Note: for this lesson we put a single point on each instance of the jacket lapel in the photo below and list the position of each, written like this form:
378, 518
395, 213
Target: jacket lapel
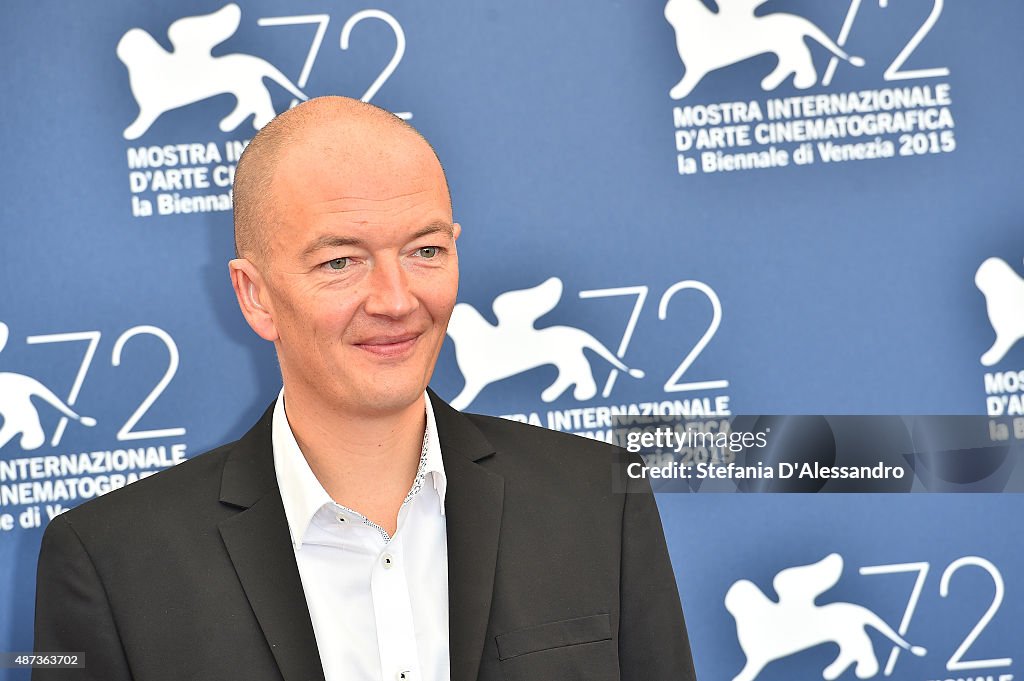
473, 506
260, 548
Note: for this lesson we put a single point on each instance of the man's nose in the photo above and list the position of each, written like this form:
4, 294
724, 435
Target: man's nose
389, 294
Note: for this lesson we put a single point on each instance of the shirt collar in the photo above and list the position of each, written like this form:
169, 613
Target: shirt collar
302, 494
434, 462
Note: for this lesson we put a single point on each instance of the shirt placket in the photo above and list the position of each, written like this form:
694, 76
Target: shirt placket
389, 588
396, 635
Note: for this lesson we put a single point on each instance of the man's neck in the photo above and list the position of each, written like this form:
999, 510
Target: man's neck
364, 462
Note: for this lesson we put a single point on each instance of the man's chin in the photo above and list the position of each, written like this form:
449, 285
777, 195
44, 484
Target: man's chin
375, 401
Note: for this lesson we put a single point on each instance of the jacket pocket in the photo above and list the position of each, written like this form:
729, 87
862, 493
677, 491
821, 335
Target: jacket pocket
579, 649
554, 635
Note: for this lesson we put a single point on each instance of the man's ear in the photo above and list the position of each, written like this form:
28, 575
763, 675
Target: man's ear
251, 293
456, 230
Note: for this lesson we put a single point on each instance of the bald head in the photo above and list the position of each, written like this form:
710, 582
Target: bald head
326, 132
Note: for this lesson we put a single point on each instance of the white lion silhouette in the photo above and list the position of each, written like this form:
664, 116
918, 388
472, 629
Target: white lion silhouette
1004, 299
162, 80
769, 631
487, 353
708, 40
20, 416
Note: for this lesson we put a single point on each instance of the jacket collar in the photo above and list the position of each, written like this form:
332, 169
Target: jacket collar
260, 549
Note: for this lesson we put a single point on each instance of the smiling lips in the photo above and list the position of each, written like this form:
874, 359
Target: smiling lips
389, 346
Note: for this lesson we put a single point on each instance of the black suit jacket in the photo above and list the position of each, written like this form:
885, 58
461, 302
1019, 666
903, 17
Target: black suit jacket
190, 574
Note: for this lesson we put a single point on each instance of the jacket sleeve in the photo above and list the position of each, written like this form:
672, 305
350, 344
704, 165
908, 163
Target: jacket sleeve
72, 610
653, 644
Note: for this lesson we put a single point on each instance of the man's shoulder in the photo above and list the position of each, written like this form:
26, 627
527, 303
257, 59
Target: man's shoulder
525, 439
189, 488
531, 454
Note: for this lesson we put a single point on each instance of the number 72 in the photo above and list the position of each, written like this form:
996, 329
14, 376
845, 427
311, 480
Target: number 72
955, 661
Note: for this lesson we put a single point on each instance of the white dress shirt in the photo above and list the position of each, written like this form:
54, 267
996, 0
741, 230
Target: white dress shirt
379, 604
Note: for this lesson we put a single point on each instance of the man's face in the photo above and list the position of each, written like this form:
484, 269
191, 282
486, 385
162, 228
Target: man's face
361, 274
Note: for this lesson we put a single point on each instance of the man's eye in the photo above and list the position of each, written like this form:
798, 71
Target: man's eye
428, 251
338, 263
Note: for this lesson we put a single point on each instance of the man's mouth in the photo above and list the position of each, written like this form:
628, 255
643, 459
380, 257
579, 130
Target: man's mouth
389, 345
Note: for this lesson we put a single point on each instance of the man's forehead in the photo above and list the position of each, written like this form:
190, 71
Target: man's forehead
361, 139
338, 197
349, 175
323, 149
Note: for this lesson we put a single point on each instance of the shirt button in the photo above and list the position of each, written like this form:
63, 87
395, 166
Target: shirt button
387, 560
341, 518
404, 676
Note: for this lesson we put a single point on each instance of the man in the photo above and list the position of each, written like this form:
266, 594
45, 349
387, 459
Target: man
362, 529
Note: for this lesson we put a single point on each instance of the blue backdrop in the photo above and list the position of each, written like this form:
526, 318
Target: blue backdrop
823, 216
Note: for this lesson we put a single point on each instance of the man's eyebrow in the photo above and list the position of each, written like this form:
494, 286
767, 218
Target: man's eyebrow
331, 241
335, 241
433, 228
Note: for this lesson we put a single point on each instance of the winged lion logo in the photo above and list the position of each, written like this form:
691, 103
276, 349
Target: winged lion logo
1004, 301
771, 630
709, 40
487, 353
162, 80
